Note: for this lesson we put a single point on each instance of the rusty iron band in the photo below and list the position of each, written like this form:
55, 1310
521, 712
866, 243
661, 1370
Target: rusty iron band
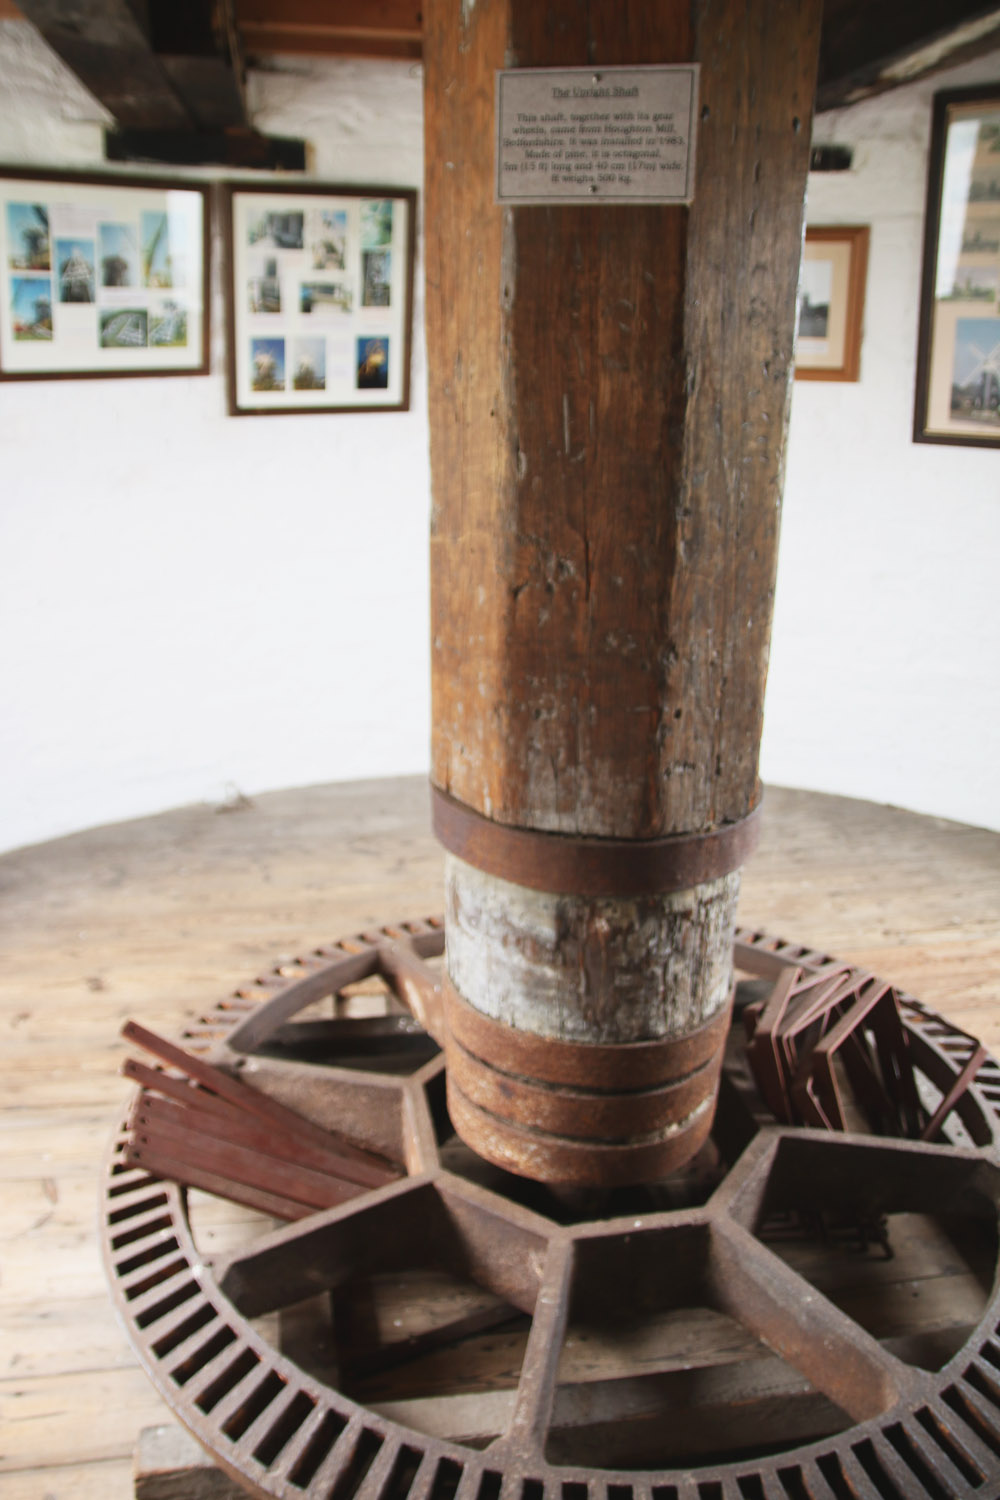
547, 1157
612, 1067
571, 865
581, 1114
589, 1113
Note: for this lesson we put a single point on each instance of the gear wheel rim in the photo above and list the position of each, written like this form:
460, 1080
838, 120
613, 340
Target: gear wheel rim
291, 1434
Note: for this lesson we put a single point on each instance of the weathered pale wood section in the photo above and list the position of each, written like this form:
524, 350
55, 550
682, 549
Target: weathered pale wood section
159, 918
607, 397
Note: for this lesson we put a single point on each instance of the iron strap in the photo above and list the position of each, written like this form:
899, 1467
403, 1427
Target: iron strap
605, 1067
570, 865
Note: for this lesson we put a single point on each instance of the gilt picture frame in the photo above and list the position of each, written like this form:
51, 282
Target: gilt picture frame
830, 320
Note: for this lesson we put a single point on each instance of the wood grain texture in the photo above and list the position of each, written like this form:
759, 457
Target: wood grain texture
341, 28
608, 397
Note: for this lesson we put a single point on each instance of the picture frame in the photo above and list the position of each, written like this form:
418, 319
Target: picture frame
830, 318
958, 344
319, 289
102, 276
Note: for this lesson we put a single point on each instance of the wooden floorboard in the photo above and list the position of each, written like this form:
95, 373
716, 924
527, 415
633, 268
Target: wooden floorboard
159, 918
91, 1481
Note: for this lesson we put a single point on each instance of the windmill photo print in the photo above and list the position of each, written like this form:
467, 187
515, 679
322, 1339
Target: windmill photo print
31, 307
119, 255
28, 236
75, 260
975, 386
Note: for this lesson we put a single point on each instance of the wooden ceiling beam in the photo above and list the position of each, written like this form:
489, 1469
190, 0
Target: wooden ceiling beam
177, 64
198, 43
868, 48
262, 41
164, 65
102, 42
356, 28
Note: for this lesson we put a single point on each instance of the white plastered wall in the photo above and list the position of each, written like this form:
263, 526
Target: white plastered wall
885, 657
190, 603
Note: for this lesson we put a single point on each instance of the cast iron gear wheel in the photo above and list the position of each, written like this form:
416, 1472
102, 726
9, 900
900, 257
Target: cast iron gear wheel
471, 1335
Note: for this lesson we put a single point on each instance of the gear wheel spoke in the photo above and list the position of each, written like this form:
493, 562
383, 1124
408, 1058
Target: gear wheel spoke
757, 1288
316, 1254
536, 1388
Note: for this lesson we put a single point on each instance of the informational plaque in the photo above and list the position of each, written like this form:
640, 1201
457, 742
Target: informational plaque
596, 135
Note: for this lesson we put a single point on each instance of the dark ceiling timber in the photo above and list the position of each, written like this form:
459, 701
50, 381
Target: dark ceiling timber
871, 46
177, 65
153, 64
370, 28
198, 44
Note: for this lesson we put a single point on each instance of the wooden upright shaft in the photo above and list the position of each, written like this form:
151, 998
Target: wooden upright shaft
607, 393
608, 396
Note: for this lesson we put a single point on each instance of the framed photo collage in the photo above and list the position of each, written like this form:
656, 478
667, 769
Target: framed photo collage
101, 277
109, 276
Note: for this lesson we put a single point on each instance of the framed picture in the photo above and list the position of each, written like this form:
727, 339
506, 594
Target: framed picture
831, 303
958, 351
320, 293
101, 276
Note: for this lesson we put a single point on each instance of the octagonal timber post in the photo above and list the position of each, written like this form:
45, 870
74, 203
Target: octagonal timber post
608, 402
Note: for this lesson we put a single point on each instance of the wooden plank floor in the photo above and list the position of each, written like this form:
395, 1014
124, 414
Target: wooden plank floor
158, 918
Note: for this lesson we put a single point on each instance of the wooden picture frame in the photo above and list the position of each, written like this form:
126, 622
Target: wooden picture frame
102, 276
831, 302
958, 347
319, 288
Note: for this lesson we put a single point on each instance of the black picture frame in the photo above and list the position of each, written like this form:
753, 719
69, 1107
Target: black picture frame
958, 346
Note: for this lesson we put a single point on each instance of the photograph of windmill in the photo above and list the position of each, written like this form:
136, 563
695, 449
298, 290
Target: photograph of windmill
157, 262
28, 237
75, 259
31, 307
975, 387
118, 254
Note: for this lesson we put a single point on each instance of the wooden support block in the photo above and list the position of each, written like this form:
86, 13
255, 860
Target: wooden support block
170, 1465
